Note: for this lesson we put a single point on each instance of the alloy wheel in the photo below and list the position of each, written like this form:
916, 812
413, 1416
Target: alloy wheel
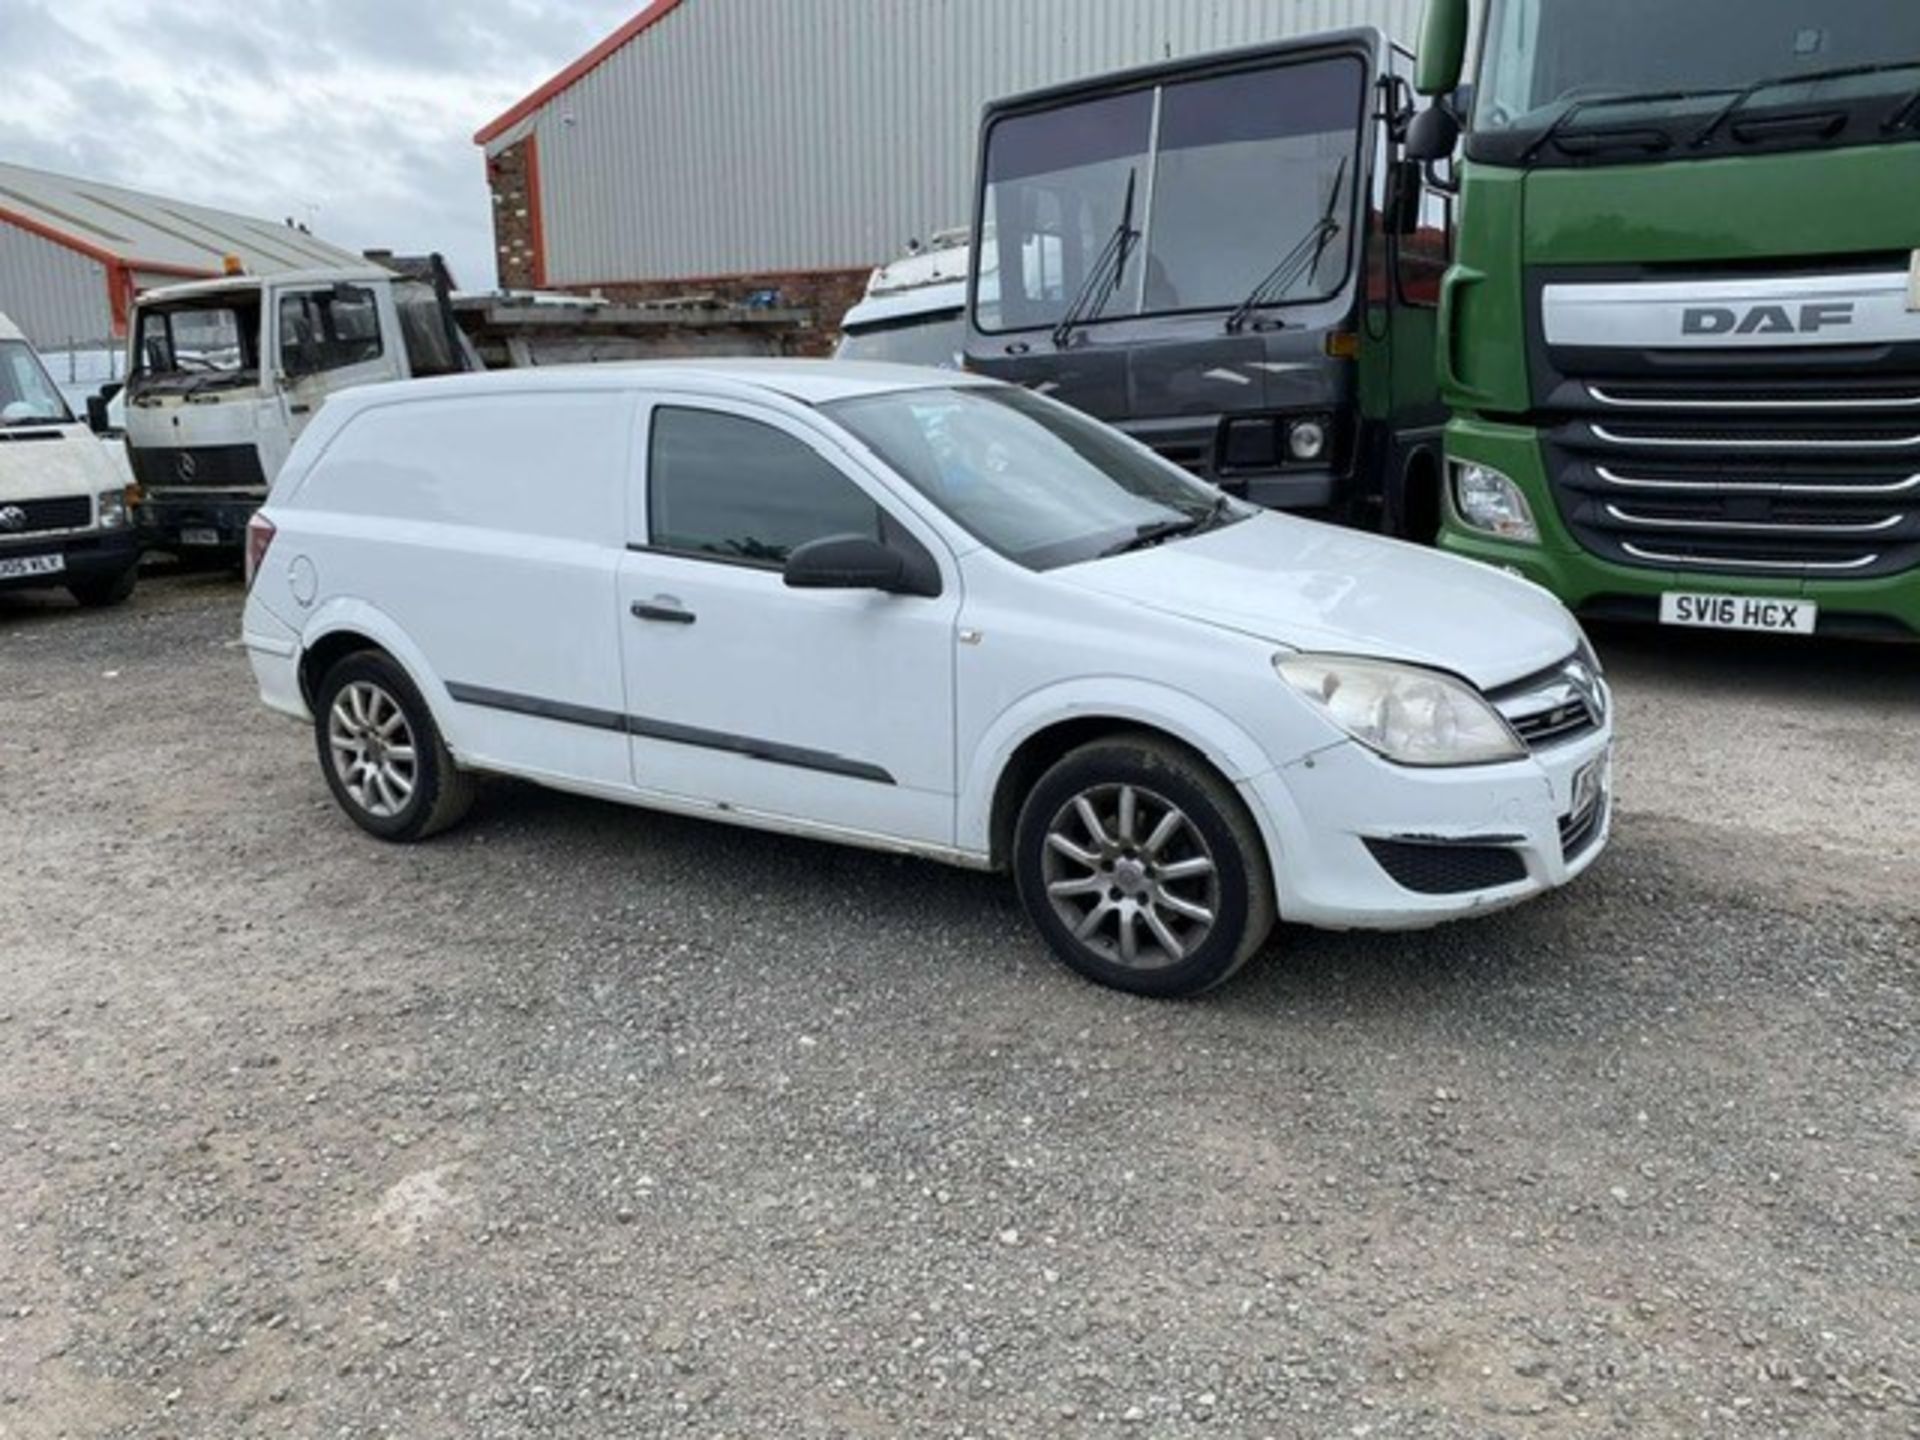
372, 746
1131, 876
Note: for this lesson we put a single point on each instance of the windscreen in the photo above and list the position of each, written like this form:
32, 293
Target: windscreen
1039, 483
1208, 185
27, 396
197, 346
1541, 54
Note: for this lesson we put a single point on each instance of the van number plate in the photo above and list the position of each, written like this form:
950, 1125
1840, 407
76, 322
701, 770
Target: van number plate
15, 567
199, 537
1739, 612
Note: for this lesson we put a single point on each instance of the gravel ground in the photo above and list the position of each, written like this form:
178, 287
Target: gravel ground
586, 1122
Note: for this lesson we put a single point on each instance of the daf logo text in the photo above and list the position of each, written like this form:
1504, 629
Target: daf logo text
1808, 319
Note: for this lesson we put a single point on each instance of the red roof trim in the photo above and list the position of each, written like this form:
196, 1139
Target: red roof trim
651, 15
96, 252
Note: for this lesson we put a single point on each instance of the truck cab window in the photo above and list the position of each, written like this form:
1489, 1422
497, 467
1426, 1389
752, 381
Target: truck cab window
724, 486
197, 346
1247, 163
328, 329
1057, 190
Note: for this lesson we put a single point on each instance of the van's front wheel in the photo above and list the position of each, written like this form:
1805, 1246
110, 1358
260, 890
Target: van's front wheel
382, 754
1142, 868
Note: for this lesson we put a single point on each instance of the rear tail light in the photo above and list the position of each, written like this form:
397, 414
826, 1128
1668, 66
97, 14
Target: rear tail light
259, 537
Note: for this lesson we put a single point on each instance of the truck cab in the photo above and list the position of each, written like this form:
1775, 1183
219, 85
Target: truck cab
65, 519
1681, 342
223, 375
1229, 258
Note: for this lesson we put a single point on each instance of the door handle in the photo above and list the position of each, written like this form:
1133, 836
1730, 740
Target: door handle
672, 614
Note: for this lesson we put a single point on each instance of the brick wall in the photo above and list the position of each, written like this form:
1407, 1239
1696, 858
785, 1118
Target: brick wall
513, 217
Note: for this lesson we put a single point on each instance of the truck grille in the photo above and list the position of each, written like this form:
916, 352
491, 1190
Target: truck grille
208, 467
39, 517
1790, 478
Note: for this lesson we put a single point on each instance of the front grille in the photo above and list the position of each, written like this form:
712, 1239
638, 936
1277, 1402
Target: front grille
1767, 476
1439, 868
1560, 703
37, 517
1578, 832
210, 467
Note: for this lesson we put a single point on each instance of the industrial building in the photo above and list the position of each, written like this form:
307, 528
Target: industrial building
73, 253
738, 146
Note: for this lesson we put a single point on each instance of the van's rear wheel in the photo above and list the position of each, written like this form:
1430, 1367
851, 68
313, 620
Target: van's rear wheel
1142, 868
382, 754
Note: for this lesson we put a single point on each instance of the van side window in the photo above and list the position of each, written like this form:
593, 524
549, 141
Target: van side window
735, 489
328, 329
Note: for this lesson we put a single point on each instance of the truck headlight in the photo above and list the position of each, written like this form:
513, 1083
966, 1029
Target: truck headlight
1307, 439
1484, 499
113, 509
1411, 715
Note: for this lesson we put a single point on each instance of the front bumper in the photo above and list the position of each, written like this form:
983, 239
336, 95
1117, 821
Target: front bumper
1320, 812
87, 555
1887, 607
166, 519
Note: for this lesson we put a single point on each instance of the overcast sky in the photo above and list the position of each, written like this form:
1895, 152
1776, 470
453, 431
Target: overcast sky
355, 117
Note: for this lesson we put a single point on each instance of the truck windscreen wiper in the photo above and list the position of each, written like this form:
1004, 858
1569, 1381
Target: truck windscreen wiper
1104, 276
1298, 263
1720, 117
1565, 118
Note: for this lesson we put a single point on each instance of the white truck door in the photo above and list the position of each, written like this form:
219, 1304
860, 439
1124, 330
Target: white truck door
328, 338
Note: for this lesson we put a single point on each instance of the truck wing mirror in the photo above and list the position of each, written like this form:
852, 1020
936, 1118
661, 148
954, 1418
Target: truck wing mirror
97, 413
1433, 134
1443, 47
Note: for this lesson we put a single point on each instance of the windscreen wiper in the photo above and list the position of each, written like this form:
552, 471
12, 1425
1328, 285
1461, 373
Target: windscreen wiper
1298, 263
1104, 276
1720, 117
1153, 532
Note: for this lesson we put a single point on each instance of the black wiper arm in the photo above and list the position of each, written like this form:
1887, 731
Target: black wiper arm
1720, 117
1104, 276
1300, 261
1153, 532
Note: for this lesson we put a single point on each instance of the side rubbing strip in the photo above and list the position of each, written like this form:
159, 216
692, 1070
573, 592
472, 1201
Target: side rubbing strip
769, 750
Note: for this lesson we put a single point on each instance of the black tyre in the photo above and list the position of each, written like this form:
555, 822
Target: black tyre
1142, 868
381, 752
97, 591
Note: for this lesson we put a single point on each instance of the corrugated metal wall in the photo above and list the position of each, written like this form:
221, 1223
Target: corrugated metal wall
58, 297
743, 135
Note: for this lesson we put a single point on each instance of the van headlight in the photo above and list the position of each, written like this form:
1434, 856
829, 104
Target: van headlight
1411, 715
1484, 499
113, 509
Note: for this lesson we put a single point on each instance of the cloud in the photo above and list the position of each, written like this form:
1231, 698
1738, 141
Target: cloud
353, 116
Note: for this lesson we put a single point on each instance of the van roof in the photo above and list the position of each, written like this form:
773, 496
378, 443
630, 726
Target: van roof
812, 382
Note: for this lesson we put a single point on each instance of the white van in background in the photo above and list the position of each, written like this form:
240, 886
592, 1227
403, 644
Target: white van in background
65, 517
914, 311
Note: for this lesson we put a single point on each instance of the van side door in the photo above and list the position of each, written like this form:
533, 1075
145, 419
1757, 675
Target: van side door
826, 708
331, 337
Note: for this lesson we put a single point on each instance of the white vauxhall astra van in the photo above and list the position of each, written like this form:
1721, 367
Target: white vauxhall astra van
928, 613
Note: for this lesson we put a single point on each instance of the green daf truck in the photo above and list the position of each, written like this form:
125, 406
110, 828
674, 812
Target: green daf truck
1680, 339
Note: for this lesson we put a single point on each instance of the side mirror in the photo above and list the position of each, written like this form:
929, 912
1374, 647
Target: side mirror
97, 414
846, 562
1443, 47
1432, 136
1402, 215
